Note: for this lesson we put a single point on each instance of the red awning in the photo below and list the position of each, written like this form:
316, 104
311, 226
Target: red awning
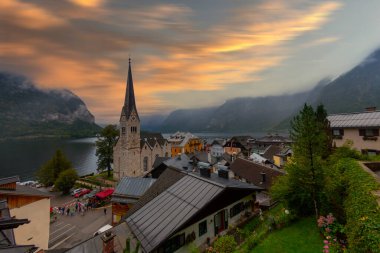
104, 194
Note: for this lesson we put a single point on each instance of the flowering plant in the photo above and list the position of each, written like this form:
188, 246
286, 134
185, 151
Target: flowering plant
331, 229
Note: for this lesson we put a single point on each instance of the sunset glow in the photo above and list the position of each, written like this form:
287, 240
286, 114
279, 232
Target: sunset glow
184, 54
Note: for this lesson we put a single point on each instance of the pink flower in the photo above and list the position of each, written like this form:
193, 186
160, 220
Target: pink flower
330, 219
326, 246
328, 230
321, 221
326, 251
325, 242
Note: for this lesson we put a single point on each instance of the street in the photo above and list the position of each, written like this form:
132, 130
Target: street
67, 231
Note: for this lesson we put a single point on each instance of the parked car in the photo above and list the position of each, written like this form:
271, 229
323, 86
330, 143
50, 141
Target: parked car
102, 229
82, 192
75, 191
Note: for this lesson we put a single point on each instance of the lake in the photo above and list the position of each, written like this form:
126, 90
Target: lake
24, 157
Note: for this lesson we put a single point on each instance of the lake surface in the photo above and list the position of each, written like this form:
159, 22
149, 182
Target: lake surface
25, 157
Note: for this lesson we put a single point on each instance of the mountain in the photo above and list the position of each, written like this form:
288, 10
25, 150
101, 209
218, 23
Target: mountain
236, 115
355, 90
27, 111
351, 92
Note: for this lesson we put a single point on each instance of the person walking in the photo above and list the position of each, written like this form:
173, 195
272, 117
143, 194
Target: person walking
105, 211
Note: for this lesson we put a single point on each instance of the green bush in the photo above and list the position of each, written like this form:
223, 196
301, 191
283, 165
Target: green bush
225, 244
66, 180
362, 210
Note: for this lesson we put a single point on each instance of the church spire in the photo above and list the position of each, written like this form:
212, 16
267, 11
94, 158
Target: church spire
129, 102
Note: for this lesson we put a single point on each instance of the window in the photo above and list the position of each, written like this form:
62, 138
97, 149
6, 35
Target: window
123, 130
236, 209
202, 228
133, 129
174, 243
166, 154
337, 132
369, 132
145, 165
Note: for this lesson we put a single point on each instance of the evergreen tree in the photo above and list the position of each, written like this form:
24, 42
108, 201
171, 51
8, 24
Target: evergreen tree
302, 187
104, 147
49, 172
66, 180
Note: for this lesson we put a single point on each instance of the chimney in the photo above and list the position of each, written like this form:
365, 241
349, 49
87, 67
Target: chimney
370, 109
108, 242
263, 177
223, 173
205, 172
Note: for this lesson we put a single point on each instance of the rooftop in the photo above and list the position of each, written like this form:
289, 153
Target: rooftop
252, 172
170, 210
132, 187
359, 119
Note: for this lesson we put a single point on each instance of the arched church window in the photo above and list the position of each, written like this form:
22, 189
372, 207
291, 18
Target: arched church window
145, 164
123, 130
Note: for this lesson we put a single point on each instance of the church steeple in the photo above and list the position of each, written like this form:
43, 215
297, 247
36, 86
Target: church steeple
129, 101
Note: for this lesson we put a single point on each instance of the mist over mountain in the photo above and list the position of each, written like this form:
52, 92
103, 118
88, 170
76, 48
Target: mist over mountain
355, 90
351, 92
27, 111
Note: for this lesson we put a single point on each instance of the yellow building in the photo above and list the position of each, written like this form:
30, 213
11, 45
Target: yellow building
184, 143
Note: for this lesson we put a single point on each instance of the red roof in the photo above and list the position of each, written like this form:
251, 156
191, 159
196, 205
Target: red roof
104, 194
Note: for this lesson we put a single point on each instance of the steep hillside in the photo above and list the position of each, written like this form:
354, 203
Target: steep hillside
356, 89
26, 111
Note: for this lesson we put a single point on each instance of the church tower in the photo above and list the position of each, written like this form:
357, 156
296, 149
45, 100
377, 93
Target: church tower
127, 149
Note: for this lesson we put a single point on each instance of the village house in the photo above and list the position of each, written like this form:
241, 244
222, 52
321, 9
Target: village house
361, 130
25, 202
128, 191
258, 174
272, 139
189, 207
238, 144
135, 151
184, 143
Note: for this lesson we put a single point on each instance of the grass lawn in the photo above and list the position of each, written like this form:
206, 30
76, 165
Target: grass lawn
302, 236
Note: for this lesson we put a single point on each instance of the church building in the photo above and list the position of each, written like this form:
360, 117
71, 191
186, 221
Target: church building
135, 151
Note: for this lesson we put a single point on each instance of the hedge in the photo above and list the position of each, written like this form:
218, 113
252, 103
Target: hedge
361, 208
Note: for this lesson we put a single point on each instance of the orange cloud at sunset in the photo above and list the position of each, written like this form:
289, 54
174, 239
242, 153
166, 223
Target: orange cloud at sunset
174, 48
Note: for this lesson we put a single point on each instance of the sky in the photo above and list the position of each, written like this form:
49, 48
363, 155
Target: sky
185, 54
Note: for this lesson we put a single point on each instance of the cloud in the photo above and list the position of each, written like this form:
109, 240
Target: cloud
88, 3
321, 41
175, 48
28, 15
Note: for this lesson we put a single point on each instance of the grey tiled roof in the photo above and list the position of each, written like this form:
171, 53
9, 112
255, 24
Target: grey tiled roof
25, 191
179, 162
364, 119
7, 180
155, 221
172, 208
133, 186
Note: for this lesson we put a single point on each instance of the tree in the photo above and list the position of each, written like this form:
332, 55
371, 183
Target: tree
104, 147
301, 188
49, 172
66, 180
